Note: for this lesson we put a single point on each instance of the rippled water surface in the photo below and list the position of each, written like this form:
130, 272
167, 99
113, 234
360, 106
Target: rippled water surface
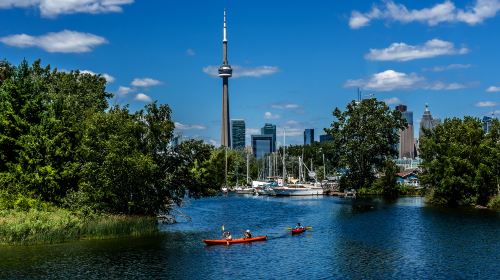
361, 239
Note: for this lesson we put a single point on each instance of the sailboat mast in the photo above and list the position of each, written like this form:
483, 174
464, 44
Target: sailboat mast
248, 167
284, 155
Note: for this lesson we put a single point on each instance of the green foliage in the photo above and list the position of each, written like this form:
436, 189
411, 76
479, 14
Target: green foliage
494, 202
61, 145
365, 136
461, 163
58, 225
387, 182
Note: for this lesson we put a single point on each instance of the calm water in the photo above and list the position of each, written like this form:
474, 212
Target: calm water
359, 239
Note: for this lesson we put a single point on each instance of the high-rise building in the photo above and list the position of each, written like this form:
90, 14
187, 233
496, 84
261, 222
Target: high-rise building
406, 145
427, 121
325, 138
308, 136
487, 122
270, 129
262, 145
225, 72
238, 134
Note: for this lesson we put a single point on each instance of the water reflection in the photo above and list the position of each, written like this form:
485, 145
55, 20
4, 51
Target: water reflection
350, 239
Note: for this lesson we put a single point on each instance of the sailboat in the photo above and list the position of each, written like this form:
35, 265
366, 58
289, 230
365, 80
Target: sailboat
245, 189
299, 188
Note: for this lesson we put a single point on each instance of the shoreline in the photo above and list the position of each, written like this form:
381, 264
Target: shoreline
38, 227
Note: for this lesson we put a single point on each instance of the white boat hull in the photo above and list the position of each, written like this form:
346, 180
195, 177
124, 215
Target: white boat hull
285, 191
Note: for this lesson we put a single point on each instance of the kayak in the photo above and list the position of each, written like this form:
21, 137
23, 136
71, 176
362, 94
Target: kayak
238, 240
298, 230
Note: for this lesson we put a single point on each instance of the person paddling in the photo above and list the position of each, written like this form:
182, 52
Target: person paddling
227, 235
248, 234
299, 226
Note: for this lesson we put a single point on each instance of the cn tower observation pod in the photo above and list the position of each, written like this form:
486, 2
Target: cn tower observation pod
225, 71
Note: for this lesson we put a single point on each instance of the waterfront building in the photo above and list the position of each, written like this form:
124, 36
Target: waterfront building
270, 129
238, 134
225, 72
406, 144
427, 121
405, 164
308, 136
262, 145
325, 138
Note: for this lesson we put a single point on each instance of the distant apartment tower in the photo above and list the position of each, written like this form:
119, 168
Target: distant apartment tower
406, 145
238, 134
427, 121
325, 138
308, 136
262, 145
487, 122
270, 129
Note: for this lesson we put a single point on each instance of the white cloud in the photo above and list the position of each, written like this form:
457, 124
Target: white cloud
181, 126
145, 82
439, 13
444, 86
285, 106
125, 90
448, 67
390, 80
271, 116
486, 104
143, 98
190, 52
387, 81
65, 41
106, 76
404, 52
493, 89
240, 71
53, 8
252, 131
392, 101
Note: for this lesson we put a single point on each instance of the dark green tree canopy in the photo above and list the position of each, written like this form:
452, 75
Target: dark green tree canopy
365, 135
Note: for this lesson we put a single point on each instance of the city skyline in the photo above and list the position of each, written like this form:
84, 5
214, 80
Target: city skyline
292, 65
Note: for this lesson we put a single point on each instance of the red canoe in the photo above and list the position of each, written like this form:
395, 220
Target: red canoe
239, 240
298, 230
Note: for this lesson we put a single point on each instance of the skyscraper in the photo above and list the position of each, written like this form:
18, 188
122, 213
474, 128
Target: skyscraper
262, 145
238, 134
225, 72
325, 138
270, 129
487, 122
308, 136
427, 121
406, 142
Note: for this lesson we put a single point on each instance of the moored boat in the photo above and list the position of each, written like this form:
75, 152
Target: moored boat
233, 241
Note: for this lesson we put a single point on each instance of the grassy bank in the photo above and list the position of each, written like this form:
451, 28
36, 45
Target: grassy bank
401, 190
60, 225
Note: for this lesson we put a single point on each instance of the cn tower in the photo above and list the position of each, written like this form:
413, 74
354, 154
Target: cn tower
225, 72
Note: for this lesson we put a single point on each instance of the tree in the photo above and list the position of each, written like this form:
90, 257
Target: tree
460, 163
366, 135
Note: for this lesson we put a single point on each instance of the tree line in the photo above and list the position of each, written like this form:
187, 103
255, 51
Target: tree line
62, 143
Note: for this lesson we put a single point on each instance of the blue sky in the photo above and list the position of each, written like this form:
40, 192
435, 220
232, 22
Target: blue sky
296, 60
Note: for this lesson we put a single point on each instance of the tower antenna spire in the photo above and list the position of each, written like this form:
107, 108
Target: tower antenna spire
224, 39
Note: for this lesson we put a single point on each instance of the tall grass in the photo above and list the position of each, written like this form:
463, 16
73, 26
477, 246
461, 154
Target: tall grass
60, 225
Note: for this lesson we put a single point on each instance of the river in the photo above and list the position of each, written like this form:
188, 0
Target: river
350, 239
